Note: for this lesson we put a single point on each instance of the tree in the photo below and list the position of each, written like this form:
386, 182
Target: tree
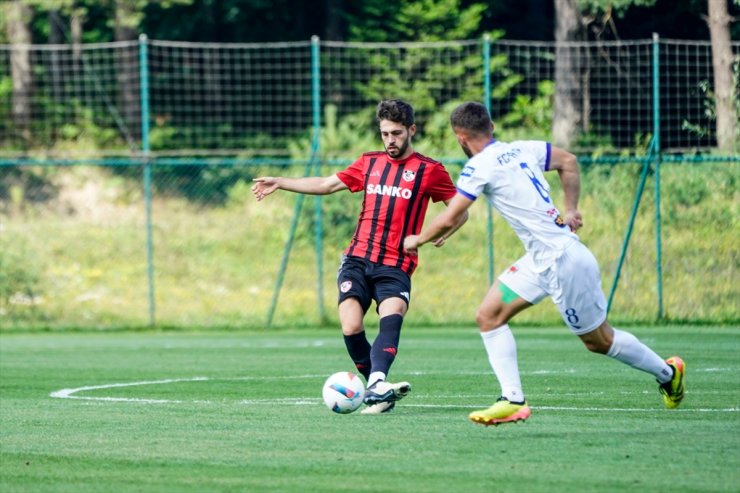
725, 89
423, 20
127, 17
567, 116
599, 15
56, 37
573, 19
416, 74
18, 18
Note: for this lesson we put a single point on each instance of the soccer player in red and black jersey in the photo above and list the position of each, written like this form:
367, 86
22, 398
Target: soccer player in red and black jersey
397, 186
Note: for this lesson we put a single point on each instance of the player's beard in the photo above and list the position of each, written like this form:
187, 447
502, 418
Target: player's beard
397, 152
467, 151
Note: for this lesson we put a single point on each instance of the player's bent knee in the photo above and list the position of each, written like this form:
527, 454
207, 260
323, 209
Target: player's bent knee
599, 340
490, 320
597, 347
350, 330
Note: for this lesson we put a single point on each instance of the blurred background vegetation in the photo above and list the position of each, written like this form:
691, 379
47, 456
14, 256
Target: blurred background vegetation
230, 21
73, 234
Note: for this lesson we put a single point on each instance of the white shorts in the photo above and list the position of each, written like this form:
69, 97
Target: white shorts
573, 282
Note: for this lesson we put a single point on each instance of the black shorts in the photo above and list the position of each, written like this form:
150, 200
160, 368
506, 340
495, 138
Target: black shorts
367, 281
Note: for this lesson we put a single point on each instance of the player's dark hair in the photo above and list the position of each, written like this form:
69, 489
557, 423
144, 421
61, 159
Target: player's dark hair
472, 117
395, 110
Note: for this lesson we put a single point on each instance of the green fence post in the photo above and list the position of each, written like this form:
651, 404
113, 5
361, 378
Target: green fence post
288, 248
145, 149
315, 148
657, 151
487, 102
631, 224
301, 197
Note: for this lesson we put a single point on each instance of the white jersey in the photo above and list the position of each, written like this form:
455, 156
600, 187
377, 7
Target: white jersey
511, 176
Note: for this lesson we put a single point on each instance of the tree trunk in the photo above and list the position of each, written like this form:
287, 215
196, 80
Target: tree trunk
724, 86
126, 71
76, 20
125, 21
568, 88
56, 27
56, 37
18, 19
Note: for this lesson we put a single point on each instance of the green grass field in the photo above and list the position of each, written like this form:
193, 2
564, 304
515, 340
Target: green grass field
241, 412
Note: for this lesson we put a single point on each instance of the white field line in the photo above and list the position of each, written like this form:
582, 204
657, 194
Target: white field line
586, 409
303, 401
69, 393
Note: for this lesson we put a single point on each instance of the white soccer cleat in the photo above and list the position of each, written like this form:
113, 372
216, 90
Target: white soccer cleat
382, 391
379, 408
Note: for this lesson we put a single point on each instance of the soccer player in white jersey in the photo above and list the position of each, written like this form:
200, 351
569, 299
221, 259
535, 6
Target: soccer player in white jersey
556, 263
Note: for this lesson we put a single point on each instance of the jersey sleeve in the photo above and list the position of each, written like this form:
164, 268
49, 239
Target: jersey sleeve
441, 186
354, 175
472, 180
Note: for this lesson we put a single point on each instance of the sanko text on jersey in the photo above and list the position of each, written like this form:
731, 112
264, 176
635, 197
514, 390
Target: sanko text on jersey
389, 190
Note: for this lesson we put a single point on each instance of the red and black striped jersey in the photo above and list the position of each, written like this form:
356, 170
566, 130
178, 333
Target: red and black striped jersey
397, 194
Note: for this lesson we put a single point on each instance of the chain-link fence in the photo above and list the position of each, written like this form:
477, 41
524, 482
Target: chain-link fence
125, 171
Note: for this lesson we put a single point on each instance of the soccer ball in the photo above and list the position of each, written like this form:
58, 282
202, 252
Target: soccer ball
343, 392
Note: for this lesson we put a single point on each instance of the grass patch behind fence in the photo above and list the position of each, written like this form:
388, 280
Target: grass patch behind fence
80, 260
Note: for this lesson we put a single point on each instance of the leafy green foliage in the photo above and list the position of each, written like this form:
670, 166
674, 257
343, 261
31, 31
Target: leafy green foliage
530, 117
6, 89
342, 140
425, 20
419, 75
619, 6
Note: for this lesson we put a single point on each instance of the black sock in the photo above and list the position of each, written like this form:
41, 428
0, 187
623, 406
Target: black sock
359, 350
385, 345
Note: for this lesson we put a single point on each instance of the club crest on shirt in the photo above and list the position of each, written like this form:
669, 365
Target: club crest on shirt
467, 171
345, 286
409, 175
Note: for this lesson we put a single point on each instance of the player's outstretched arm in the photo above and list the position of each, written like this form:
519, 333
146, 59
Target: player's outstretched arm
446, 223
461, 219
312, 185
566, 165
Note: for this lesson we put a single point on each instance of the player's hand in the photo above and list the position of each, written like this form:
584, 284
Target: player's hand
573, 219
411, 244
264, 186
